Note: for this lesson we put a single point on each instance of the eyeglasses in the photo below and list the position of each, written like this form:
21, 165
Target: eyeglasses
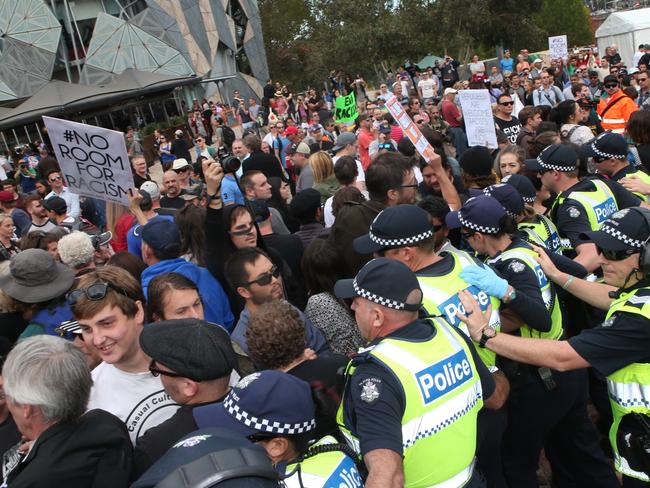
507, 103
642, 79
385, 145
609, 86
266, 278
467, 233
159, 372
199, 140
616, 255
56, 178
419, 122
242, 232
94, 292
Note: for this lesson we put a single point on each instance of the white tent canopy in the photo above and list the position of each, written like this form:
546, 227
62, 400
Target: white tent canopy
626, 30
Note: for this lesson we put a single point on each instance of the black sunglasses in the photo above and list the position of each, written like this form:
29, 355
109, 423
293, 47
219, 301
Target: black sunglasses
507, 103
56, 178
266, 278
616, 255
467, 233
611, 85
159, 372
94, 292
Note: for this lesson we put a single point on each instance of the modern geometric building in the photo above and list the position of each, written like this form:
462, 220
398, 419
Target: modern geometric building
93, 41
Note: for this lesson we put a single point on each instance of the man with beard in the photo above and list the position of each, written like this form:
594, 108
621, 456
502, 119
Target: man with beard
171, 185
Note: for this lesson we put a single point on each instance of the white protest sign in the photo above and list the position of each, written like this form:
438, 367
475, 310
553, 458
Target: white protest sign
93, 159
517, 106
478, 117
410, 129
557, 45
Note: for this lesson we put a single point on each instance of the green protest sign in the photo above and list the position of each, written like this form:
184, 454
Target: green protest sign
346, 108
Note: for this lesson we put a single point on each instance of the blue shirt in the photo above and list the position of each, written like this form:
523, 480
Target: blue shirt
230, 192
134, 239
282, 143
507, 64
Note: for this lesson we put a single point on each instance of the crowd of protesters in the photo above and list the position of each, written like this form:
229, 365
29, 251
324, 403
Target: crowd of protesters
312, 304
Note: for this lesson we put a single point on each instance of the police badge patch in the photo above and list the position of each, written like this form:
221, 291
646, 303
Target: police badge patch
516, 266
574, 213
370, 389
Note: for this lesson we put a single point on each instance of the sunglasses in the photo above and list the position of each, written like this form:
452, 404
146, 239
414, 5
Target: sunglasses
94, 292
199, 140
507, 103
243, 232
182, 170
266, 278
386, 145
616, 255
466, 234
611, 85
159, 372
419, 122
56, 178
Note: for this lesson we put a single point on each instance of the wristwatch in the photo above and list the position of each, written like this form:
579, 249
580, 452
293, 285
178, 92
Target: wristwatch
488, 333
510, 295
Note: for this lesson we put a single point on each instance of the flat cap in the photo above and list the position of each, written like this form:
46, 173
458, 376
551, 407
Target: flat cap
194, 348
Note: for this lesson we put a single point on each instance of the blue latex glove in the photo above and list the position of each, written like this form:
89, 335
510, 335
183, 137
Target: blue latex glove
485, 279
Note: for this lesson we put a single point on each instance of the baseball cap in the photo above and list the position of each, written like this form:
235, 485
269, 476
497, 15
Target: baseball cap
315, 128
481, 214
178, 132
476, 161
523, 185
180, 163
623, 230
449, 90
385, 282
345, 139
211, 457
506, 195
610, 79
301, 148
162, 235
398, 226
7, 196
193, 348
151, 188
267, 401
55, 204
291, 130
305, 203
556, 157
607, 145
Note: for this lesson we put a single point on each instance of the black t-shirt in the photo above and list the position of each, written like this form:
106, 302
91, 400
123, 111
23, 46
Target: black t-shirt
326, 376
176, 202
323, 146
645, 59
138, 180
378, 422
570, 217
180, 149
9, 436
510, 128
622, 339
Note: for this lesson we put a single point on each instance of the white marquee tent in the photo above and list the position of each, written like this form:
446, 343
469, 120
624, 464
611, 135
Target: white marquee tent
626, 30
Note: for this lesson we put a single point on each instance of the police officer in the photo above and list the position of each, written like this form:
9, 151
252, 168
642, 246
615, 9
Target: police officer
405, 233
609, 154
619, 347
276, 410
557, 402
580, 205
412, 396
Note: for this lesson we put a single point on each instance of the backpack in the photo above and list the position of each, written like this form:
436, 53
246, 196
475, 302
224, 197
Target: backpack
565, 136
228, 136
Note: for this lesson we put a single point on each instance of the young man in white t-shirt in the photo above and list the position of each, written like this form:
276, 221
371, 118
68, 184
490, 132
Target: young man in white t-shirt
427, 87
108, 304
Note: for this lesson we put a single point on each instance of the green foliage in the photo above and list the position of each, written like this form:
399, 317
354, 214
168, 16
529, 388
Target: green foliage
306, 39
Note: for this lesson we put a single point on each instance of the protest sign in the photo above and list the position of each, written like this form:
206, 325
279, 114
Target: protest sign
346, 108
517, 106
410, 129
557, 45
93, 159
478, 118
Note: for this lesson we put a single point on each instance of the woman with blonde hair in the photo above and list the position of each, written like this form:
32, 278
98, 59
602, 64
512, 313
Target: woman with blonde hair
325, 181
510, 161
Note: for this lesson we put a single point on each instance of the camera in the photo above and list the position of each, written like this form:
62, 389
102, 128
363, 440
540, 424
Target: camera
229, 163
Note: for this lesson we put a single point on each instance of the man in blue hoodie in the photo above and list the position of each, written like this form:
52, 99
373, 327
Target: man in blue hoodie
161, 245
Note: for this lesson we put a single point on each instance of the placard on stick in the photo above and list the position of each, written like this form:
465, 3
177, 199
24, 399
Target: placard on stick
93, 160
478, 118
410, 129
345, 109
558, 47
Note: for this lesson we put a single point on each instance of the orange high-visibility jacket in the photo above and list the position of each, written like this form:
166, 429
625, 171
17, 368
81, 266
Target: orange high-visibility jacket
615, 119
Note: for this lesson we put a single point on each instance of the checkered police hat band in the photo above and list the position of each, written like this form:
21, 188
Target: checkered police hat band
553, 167
373, 297
617, 234
484, 229
399, 242
604, 155
265, 425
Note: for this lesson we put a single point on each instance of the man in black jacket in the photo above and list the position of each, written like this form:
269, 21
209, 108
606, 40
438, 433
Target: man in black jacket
47, 385
259, 160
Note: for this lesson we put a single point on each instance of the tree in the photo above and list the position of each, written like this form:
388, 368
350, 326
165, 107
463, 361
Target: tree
570, 17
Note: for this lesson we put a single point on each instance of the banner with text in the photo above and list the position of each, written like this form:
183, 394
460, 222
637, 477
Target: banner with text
478, 118
410, 128
346, 108
557, 45
93, 159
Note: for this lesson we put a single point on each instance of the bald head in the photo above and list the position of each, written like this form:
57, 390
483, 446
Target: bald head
171, 185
